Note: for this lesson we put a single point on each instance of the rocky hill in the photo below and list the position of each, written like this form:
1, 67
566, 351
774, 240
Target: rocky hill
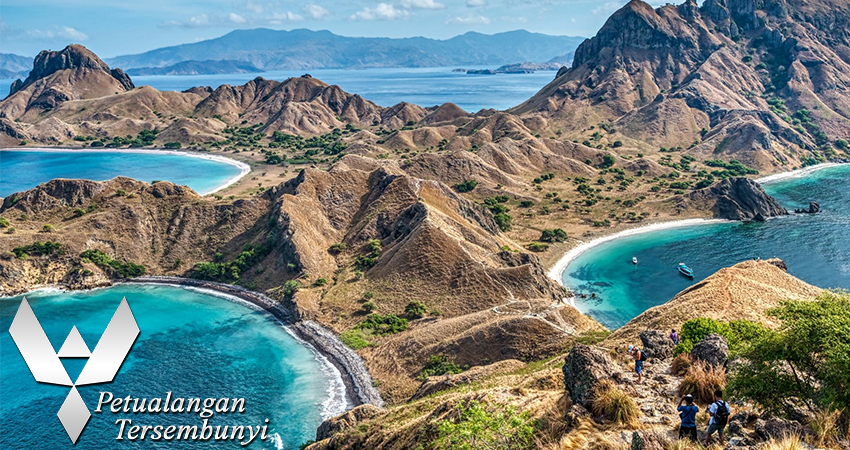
196, 68
557, 398
763, 82
361, 227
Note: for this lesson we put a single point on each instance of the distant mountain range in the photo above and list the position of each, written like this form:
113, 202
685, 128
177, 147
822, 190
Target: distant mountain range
14, 66
305, 49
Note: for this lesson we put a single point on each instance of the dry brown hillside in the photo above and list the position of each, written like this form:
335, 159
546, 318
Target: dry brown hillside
763, 82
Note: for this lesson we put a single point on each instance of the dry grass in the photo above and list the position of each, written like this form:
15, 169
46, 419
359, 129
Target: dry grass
826, 429
614, 404
681, 364
701, 380
791, 442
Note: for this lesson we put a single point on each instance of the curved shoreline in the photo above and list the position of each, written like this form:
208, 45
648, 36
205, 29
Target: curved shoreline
799, 173
556, 271
357, 388
244, 168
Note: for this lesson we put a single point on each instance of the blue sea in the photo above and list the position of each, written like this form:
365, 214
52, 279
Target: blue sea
815, 247
25, 169
386, 87
191, 343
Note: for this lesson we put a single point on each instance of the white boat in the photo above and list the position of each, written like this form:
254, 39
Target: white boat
634, 260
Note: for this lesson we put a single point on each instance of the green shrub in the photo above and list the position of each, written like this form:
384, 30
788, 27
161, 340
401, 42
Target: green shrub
369, 306
38, 249
438, 365
4, 223
47, 228
556, 235
321, 282
808, 357
537, 247
504, 221
105, 262
172, 145
354, 338
291, 287
79, 212
382, 325
231, 271
466, 185
337, 248
415, 309
477, 426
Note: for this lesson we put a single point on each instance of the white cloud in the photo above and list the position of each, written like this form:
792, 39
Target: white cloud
315, 11
468, 20
254, 7
57, 33
289, 16
476, 3
207, 21
236, 18
422, 4
381, 12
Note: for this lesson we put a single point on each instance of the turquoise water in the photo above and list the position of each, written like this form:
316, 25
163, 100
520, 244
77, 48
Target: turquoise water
25, 169
386, 87
815, 247
191, 343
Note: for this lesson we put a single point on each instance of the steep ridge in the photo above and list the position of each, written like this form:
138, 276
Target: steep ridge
764, 82
433, 246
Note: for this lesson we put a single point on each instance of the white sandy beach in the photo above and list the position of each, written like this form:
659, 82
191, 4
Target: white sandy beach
556, 270
244, 168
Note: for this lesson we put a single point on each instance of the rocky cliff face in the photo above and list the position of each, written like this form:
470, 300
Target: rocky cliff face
60, 76
765, 82
736, 199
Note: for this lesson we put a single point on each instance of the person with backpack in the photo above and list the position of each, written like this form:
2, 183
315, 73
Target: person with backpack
688, 414
674, 336
639, 357
719, 412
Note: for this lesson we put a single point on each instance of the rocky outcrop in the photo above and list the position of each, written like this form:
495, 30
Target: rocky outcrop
713, 349
72, 57
738, 199
814, 208
584, 368
347, 420
656, 344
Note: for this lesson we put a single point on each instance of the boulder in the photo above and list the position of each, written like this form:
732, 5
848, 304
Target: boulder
645, 441
584, 367
777, 428
656, 344
347, 420
713, 349
814, 208
576, 413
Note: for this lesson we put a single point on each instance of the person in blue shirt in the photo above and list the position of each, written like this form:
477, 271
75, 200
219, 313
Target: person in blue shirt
688, 413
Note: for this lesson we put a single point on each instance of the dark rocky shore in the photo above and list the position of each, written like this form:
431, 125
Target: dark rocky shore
358, 381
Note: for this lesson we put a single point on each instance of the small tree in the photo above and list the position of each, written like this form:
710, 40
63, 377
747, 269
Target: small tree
415, 309
47, 228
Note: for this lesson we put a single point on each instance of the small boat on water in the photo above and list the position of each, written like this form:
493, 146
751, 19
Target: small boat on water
634, 260
685, 270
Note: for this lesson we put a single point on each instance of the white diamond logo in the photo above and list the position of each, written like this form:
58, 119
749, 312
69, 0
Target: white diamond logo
74, 415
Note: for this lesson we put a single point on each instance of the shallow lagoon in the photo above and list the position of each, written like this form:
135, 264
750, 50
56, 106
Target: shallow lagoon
814, 247
191, 343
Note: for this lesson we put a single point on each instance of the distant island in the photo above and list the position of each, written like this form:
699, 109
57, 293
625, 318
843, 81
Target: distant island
197, 68
555, 63
266, 49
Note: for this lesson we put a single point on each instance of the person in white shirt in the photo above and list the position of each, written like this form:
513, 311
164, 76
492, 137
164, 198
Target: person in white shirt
719, 412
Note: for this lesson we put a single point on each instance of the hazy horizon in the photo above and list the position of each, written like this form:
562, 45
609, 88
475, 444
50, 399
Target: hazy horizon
120, 28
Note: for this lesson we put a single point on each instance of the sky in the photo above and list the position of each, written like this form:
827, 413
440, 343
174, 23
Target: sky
113, 27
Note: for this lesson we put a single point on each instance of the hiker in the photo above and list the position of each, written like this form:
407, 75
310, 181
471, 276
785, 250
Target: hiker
688, 414
719, 412
674, 336
639, 357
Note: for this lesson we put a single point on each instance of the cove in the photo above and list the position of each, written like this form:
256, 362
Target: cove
815, 247
192, 343
26, 169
